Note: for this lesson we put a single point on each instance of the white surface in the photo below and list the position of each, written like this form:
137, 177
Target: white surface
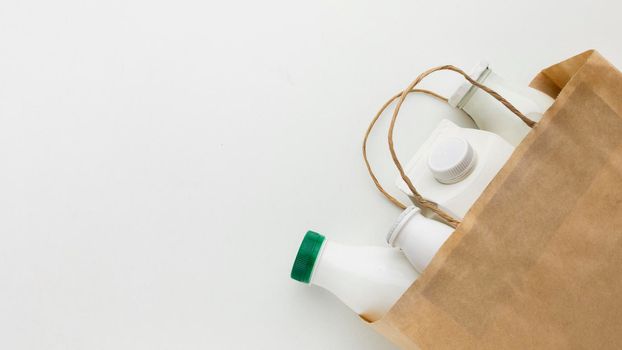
161, 161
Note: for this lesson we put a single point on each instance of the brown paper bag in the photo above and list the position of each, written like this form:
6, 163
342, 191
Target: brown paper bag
537, 261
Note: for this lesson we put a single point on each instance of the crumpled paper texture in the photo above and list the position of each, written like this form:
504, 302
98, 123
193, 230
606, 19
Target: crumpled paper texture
537, 261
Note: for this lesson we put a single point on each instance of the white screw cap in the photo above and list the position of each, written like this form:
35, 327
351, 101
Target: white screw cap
451, 160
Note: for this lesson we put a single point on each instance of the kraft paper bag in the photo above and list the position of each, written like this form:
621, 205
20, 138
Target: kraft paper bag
537, 261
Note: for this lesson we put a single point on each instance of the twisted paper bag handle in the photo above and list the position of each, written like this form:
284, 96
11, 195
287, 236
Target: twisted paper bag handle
401, 96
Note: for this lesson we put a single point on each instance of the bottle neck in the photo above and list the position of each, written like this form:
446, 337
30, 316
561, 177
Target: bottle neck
471, 89
325, 263
420, 238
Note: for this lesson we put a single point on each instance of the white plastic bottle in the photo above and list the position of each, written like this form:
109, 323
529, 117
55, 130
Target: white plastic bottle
418, 237
454, 165
489, 114
368, 279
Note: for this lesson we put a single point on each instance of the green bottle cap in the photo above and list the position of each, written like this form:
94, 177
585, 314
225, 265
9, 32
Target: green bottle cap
306, 257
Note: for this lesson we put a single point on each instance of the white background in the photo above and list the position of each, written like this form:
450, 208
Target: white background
160, 161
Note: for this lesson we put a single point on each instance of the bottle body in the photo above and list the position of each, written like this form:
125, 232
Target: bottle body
488, 153
418, 237
490, 115
367, 279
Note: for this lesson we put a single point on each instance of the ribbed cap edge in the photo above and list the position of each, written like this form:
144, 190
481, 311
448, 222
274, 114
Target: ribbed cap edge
307, 256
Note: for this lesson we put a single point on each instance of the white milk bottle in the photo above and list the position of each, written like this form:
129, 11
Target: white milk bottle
454, 165
489, 114
418, 237
368, 279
